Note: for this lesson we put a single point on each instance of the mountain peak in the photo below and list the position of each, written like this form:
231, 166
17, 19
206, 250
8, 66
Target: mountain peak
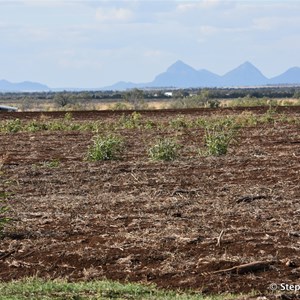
293, 69
245, 74
7, 86
291, 76
247, 65
180, 66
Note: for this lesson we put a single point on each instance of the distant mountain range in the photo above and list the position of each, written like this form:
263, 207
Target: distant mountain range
181, 75
25, 86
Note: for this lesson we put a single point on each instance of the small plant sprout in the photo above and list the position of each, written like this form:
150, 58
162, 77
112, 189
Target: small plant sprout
3, 209
164, 149
105, 148
51, 164
68, 116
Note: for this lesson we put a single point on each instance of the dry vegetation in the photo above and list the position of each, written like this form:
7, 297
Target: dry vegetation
227, 223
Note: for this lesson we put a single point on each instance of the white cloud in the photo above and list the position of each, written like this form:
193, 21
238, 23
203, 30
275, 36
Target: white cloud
151, 53
184, 7
114, 14
44, 3
273, 23
211, 3
205, 5
208, 30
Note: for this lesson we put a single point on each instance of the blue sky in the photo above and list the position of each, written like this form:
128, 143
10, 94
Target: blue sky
89, 44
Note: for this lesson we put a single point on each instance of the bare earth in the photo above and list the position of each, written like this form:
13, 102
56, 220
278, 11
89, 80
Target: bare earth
178, 224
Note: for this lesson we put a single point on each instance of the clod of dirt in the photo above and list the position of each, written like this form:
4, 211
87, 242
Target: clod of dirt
250, 198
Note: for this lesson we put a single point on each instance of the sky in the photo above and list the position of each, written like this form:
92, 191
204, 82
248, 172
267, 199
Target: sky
92, 44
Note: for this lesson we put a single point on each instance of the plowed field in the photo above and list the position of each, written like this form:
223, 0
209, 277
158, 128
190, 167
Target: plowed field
189, 223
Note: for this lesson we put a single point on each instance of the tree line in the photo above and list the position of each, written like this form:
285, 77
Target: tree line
136, 97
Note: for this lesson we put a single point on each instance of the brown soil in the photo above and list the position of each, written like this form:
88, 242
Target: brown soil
157, 222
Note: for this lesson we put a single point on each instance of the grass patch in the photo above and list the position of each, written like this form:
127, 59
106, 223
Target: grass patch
37, 289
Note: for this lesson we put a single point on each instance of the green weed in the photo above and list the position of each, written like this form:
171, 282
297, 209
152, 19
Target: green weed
149, 124
164, 149
51, 164
105, 148
13, 126
34, 126
131, 121
4, 220
68, 116
179, 122
270, 115
218, 137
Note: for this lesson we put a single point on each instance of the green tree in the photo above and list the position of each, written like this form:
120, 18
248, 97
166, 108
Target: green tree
63, 99
136, 98
180, 94
297, 94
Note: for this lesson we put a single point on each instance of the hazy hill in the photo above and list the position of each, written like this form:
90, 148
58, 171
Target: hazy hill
6, 86
181, 75
177, 75
291, 76
244, 75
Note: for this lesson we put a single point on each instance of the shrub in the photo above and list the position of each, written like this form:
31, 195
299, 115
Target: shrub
164, 149
135, 98
105, 148
131, 121
212, 103
202, 99
246, 118
149, 124
187, 102
179, 122
13, 125
68, 116
218, 137
270, 115
250, 101
34, 126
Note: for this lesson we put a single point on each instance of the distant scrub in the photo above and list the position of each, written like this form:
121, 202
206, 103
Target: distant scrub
250, 101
